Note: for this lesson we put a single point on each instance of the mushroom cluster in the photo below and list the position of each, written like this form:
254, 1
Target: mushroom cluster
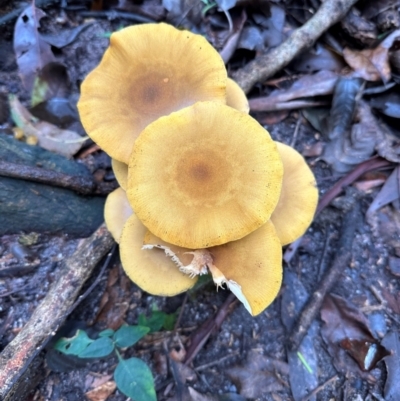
203, 187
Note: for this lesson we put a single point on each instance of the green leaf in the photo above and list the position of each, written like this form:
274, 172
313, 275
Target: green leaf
126, 336
154, 322
169, 321
106, 333
74, 345
99, 348
133, 378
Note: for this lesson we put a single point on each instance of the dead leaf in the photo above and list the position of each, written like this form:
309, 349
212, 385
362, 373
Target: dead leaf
115, 301
102, 392
31, 51
50, 137
389, 192
372, 64
347, 149
392, 385
253, 379
321, 83
317, 59
346, 328
64, 37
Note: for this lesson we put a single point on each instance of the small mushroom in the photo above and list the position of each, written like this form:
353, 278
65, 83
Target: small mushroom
299, 196
148, 71
151, 269
197, 180
117, 210
235, 97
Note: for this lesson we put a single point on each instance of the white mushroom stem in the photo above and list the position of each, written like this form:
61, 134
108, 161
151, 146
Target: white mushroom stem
202, 259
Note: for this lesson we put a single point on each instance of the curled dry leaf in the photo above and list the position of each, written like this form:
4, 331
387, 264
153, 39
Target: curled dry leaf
318, 84
392, 361
50, 137
347, 149
346, 328
372, 64
102, 392
31, 51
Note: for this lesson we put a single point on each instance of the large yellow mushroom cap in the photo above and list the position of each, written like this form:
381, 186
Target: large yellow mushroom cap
151, 269
117, 210
204, 176
299, 196
148, 71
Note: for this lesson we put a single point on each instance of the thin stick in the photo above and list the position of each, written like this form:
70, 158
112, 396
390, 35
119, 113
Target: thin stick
342, 259
81, 184
263, 67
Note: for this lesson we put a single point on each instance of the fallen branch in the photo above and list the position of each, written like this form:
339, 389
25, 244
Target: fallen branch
79, 183
16, 358
266, 65
340, 262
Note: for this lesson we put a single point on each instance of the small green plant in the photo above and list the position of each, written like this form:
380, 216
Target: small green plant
132, 376
208, 5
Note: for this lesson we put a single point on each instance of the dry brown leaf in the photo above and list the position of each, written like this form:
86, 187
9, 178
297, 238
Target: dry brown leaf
50, 137
372, 64
31, 51
102, 392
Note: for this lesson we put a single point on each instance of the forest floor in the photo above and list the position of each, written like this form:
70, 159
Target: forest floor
350, 254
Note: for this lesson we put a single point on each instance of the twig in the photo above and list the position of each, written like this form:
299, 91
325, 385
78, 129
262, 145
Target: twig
113, 14
213, 363
263, 67
81, 184
340, 262
296, 132
320, 388
49, 315
200, 337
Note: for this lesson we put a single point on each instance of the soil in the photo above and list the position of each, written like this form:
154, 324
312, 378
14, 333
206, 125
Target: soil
241, 336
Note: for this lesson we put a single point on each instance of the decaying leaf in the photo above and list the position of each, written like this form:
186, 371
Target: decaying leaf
346, 330
31, 51
50, 137
256, 377
372, 64
389, 192
392, 386
318, 59
321, 83
65, 37
115, 300
347, 149
102, 392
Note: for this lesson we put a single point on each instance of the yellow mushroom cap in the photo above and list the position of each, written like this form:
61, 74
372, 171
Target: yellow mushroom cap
235, 97
299, 196
148, 71
121, 173
117, 210
204, 176
255, 263
150, 269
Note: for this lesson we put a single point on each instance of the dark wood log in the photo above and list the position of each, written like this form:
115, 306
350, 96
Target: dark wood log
27, 206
